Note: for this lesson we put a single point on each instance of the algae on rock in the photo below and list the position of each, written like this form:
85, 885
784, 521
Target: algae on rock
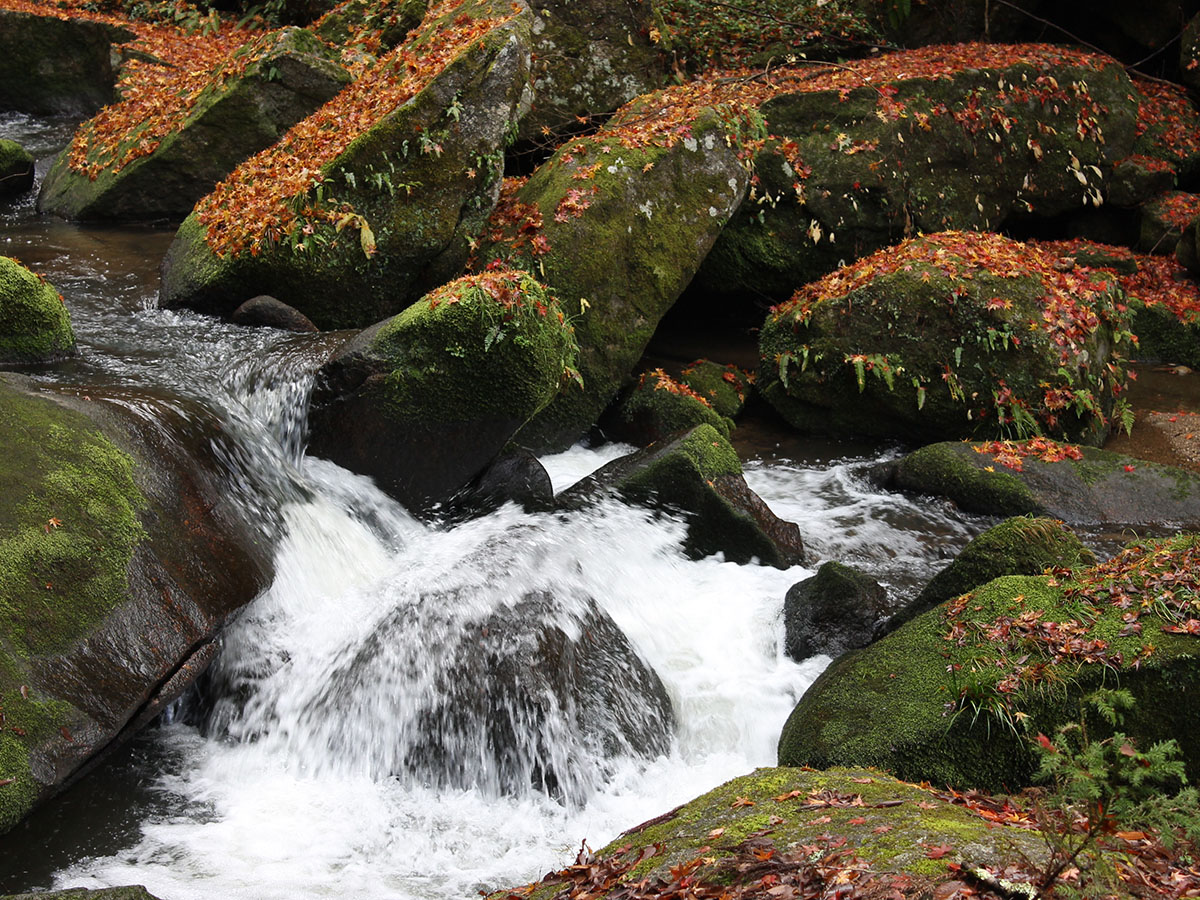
35, 326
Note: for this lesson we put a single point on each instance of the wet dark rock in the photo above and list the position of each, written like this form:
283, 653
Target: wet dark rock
133, 892
698, 475
16, 169
123, 555
515, 476
838, 609
52, 66
268, 312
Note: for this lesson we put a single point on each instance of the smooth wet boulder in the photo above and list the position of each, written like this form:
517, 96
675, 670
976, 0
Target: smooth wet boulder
251, 98
515, 476
698, 475
968, 684
267, 312
1080, 485
726, 387
838, 609
590, 57
617, 224
121, 555
1021, 545
54, 64
424, 401
940, 138
371, 201
950, 335
35, 326
788, 832
658, 407
16, 169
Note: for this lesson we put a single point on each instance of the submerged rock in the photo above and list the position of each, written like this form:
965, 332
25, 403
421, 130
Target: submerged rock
949, 335
16, 169
52, 64
373, 200
250, 100
424, 401
35, 326
1080, 485
699, 475
838, 609
122, 555
966, 685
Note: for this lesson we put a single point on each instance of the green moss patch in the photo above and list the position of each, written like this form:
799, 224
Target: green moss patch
34, 323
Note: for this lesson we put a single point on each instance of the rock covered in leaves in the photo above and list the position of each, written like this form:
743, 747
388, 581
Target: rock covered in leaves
1164, 219
801, 833
1021, 545
838, 609
948, 137
121, 555
370, 26
244, 104
16, 169
1080, 485
369, 202
590, 57
949, 335
966, 684
51, 63
422, 402
617, 224
657, 407
726, 387
35, 326
698, 475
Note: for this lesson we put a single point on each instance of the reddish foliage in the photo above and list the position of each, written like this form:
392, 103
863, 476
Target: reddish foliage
1176, 209
1012, 453
1167, 117
659, 380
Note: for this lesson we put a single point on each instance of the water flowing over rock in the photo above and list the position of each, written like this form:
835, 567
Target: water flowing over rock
422, 402
123, 558
370, 202
52, 64
698, 474
957, 680
275, 82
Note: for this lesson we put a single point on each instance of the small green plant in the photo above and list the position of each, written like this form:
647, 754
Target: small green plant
1103, 786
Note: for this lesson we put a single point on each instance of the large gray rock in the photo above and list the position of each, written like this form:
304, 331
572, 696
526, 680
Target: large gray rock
53, 65
287, 75
372, 201
121, 555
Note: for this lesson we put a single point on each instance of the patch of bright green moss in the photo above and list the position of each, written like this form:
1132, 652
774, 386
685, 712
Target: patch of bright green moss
945, 469
34, 323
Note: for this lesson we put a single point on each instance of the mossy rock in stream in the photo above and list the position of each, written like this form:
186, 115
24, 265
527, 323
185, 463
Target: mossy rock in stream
16, 169
35, 326
889, 826
287, 74
425, 400
1080, 485
697, 475
374, 199
726, 387
968, 684
658, 407
119, 559
949, 335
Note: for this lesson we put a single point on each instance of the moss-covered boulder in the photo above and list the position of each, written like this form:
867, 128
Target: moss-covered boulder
370, 26
1136, 179
838, 609
698, 475
657, 407
35, 326
1168, 127
726, 387
16, 169
617, 224
121, 556
422, 402
967, 685
779, 829
53, 63
1021, 545
590, 57
1080, 485
371, 201
950, 335
946, 137
245, 104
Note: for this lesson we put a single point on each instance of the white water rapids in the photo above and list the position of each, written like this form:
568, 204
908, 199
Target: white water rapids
299, 785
